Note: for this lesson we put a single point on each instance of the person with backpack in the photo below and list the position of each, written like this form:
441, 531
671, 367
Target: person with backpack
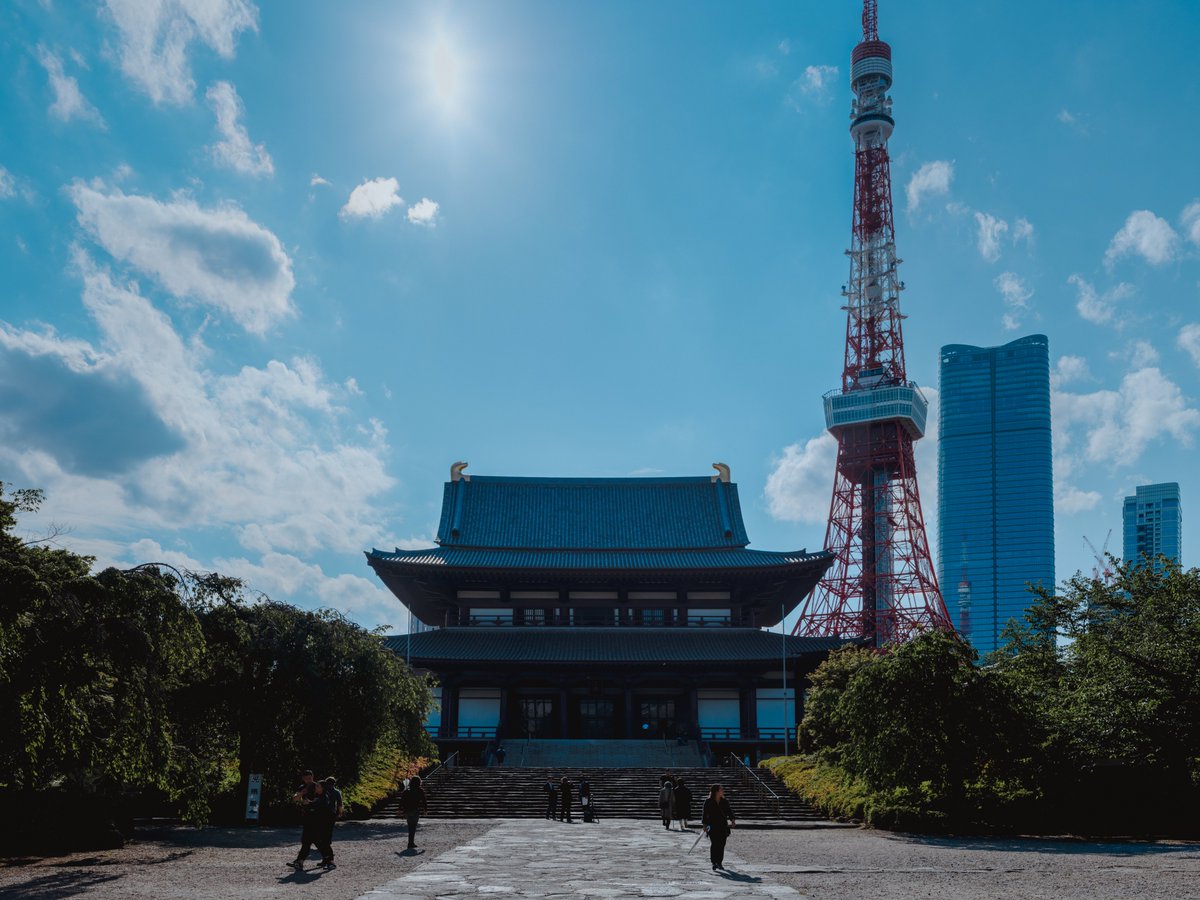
551, 797
718, 822
413, 804
666, 793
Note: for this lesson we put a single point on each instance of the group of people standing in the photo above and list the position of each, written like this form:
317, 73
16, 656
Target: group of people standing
674, 801
560, 795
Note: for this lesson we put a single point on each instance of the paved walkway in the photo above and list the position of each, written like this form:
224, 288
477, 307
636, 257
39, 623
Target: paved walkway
613, 858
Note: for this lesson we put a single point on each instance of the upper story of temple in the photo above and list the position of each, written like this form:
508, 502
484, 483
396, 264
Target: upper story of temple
596, 552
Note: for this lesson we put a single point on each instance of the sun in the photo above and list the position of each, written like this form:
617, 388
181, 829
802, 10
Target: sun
444, 71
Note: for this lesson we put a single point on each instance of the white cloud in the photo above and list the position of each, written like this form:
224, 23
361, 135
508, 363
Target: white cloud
8, 185
1016, 298
155, 35
799, 486
1116, 427
991, 230
1095, 307
1189, 341
1069, 369
1072, 120
1190, 220
216, 256
236, 151
317, 180
931, 180
1146, 235
1142, 354
423, 212
259, 452
372, 199
1022, 231
1070, 500
69, 102
816, 82
785, 46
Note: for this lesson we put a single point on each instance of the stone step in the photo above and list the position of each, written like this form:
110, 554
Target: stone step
501, 792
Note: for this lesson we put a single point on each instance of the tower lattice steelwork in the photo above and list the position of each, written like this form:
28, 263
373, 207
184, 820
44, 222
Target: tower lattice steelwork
882, 586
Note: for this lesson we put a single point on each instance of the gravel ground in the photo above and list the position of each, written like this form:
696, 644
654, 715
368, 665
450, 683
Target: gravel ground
822, 862
233, 862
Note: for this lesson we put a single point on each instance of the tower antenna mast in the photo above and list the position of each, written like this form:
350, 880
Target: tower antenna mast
882, 586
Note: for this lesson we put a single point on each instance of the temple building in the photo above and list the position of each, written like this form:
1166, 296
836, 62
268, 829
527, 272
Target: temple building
604, 608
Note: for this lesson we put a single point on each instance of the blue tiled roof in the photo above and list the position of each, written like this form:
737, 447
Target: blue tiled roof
562, 514
617, 645
730, 558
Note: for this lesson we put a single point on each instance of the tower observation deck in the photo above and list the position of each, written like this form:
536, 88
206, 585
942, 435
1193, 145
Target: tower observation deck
882, 586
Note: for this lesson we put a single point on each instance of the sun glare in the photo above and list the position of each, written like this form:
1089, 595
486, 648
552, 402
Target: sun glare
445, 75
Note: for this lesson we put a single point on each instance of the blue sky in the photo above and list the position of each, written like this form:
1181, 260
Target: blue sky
269, 269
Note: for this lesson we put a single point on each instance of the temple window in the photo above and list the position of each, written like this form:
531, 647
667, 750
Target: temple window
708, 616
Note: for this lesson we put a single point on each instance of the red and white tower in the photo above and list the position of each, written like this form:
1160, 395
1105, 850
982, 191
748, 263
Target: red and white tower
882, 586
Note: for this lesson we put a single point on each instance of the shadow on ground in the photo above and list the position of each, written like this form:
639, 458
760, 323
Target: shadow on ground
1066, 846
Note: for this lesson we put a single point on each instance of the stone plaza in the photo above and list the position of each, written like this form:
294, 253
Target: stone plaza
611, 859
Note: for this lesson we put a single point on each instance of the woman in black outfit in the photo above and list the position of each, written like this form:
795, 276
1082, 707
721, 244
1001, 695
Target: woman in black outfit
717, 821
414, 804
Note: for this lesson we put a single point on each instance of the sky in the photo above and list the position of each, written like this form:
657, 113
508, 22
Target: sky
269, 269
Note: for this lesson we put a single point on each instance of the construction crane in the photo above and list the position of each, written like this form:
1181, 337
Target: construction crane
1102, 571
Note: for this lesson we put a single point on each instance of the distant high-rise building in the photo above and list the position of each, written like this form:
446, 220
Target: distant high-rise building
1153, 523
995, 483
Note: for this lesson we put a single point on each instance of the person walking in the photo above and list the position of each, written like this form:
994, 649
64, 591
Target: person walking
551, 798
317, 824
304, 793
666, 793
564, 790
718, 822
414, 805
500, 754
681, 800
333, 795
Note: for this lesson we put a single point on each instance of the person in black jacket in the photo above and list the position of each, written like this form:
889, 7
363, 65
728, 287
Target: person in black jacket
681, 801
317, 817
717, 821
564, 790
414, 805
551, 798
585, 799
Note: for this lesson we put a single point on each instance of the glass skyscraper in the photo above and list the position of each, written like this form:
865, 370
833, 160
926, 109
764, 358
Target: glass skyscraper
995, 484
1153, 523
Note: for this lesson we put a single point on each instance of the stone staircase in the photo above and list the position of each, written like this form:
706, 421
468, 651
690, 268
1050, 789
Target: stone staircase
502, 792
598, 754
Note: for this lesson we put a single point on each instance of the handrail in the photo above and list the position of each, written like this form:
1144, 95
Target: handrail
750, 778
442, 772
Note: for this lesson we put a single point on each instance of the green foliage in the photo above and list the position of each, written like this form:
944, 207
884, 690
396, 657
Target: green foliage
828, 788
152, 682
1114, 702
1087, 720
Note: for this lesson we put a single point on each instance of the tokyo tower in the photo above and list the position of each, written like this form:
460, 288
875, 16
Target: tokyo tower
881, 586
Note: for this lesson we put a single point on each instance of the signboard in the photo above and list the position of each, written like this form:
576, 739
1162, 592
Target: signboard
253, 795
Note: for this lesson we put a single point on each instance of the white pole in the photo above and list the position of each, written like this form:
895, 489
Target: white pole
783, 634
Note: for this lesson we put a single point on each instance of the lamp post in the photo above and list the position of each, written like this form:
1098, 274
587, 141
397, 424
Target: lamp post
783, 634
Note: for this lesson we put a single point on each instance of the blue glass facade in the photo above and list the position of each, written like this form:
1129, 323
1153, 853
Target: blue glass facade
995, 484
1153, 523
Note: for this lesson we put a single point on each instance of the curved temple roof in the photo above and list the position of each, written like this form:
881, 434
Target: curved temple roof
591, 514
